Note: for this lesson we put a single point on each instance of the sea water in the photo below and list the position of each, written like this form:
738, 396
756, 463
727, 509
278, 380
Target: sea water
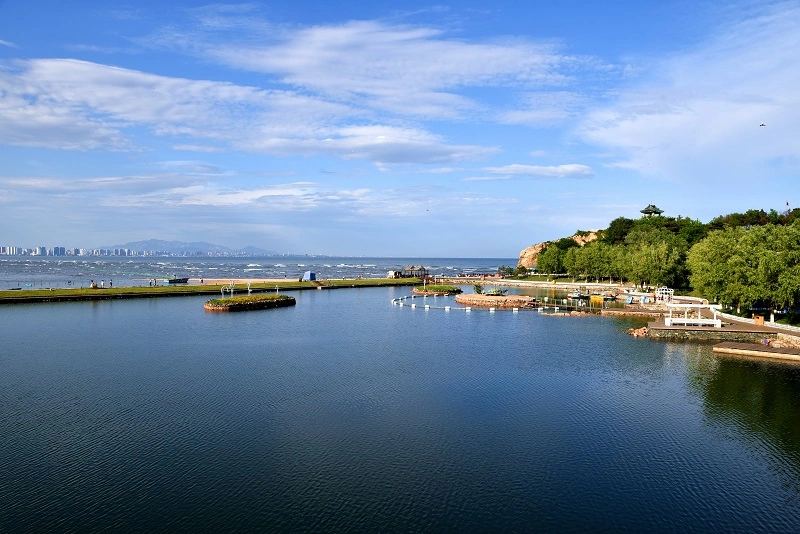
35, 272
348, 413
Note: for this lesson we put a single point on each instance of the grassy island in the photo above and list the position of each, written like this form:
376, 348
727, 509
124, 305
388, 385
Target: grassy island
436, 290
250, 302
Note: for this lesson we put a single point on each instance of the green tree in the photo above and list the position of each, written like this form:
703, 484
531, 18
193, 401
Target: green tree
618, 230
745, 266
568, 262
655, 256
549, 260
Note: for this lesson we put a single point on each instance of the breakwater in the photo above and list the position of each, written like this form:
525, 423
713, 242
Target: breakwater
137, 292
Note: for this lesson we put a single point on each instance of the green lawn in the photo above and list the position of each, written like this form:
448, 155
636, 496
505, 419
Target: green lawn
48, 295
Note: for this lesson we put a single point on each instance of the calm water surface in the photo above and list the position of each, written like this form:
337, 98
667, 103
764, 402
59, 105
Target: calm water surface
346, 413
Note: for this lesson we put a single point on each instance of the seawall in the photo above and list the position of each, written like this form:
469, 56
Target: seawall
686, 334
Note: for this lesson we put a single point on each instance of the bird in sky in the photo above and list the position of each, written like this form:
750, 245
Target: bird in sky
762, 124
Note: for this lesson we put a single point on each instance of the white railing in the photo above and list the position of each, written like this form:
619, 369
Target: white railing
736, 318
692, 321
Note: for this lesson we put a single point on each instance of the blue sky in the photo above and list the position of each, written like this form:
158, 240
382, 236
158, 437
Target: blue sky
470, 129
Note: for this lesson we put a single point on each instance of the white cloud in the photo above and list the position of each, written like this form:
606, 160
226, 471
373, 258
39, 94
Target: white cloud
487, 178
77, 105
545, 107
100, 185
572, 170
8, 44
699, 114
387, 145
403, 69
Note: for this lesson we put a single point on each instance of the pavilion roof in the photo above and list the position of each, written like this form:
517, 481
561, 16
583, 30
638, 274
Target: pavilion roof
651, 209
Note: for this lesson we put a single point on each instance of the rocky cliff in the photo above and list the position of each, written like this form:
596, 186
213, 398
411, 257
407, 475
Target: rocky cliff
527, 258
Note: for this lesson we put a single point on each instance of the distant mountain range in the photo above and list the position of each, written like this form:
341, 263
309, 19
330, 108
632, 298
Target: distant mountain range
182, 247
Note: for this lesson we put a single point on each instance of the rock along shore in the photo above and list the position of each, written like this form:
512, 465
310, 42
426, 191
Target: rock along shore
497, 301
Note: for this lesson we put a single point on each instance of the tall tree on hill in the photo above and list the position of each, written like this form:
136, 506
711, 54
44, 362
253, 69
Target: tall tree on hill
655, 256
618, 230
549, 260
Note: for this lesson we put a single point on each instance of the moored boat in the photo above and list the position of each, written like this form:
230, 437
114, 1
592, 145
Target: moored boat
577, 295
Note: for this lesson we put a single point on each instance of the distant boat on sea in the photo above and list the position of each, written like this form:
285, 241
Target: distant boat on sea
178, 280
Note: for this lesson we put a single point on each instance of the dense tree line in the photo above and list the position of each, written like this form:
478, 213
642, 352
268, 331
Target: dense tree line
741, 259
746, 267
647, 251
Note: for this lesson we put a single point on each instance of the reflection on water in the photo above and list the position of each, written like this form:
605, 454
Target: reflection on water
757, 399
345, 413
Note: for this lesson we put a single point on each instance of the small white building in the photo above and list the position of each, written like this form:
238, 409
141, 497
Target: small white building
692, 315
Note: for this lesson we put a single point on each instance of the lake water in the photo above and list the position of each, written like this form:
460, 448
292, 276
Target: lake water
346, 413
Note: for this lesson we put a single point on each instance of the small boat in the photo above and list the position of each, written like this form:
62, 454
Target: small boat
178, 280
577, 295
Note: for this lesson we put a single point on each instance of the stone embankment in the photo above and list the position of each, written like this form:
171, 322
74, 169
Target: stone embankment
497, 301
427, 293
573, 313
633, 311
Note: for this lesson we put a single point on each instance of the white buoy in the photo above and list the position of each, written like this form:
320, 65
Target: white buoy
427, 306
413, 305
491, 310
447, 308
515, 310
467, 309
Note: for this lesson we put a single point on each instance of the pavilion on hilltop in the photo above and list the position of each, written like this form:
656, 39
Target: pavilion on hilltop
651, 210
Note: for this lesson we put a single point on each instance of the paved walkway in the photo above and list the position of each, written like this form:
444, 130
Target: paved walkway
761, 351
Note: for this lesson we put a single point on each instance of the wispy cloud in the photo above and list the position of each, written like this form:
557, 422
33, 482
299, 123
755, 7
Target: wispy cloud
487, 178
8, 44
572, 170
545, 107
699, 112
77, 105
408, 70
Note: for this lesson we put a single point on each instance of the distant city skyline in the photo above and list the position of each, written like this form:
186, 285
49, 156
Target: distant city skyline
460, 129
158, 248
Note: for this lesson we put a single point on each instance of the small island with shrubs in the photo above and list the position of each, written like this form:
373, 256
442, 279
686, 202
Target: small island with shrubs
436, 290
249, 302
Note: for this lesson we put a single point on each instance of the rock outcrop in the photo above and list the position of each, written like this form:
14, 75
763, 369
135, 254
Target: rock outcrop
528, 257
